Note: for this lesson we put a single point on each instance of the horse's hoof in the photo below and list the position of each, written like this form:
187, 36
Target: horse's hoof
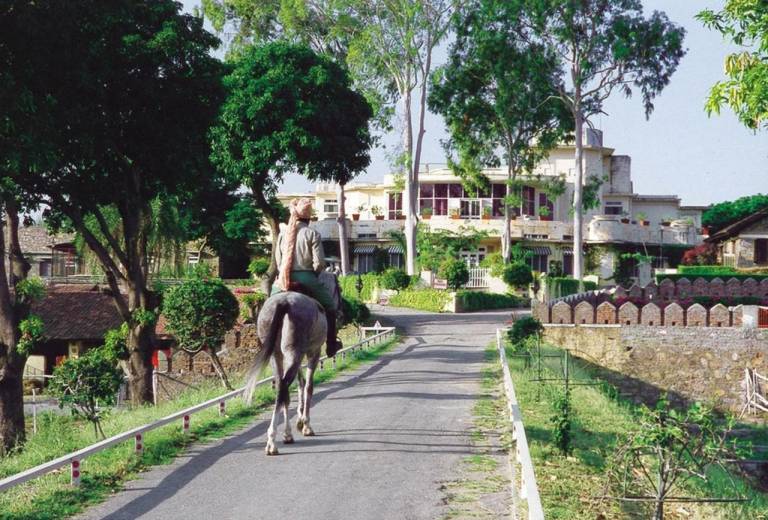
307, 431
288, 439
300, 424
271, 450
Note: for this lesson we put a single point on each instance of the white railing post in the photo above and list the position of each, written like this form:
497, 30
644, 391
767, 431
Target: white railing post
222, 408
75, 472
139, 444
185, 425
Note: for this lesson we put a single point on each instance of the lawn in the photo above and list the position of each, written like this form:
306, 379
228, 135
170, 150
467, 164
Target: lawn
571, 487
51, 496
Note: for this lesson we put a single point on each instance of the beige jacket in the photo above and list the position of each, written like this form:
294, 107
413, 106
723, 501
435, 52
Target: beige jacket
309, 254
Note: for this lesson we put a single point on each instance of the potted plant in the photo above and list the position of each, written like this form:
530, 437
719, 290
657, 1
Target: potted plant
643, 218
624, 218
399, 216
486, 213
545, 213
455, 214
376, 211
426, 213
360, 209
666, 221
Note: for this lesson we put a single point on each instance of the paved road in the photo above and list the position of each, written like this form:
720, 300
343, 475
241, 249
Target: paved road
387, 435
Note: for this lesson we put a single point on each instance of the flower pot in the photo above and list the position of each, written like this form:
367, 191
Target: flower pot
426, 217
455, 217
625, 221
665, 224
379, 217
355, 216
400, 217
486, 217
646, 222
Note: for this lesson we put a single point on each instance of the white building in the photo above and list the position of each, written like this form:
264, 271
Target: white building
656, 225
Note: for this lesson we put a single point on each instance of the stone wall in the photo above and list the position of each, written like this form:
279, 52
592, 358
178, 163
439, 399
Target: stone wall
689, 363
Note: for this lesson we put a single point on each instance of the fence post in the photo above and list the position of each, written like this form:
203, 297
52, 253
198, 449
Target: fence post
139, 448
75, 473
222, 408
185, 425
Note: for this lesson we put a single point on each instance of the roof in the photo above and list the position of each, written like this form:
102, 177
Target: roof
37, 239
735, 228
71, 315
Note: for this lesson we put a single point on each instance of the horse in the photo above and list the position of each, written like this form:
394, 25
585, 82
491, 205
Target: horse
297, 323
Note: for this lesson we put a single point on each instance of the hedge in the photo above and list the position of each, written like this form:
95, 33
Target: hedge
348, 285
423, 299
705, 269
559, 287
723, 277
478, 301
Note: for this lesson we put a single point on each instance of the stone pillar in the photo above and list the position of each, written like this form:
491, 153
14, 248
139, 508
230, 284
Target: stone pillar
749, 317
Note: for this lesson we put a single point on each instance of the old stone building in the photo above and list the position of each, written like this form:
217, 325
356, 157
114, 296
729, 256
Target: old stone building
744, 243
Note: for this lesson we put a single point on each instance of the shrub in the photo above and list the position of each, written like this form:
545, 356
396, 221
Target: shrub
517, 275
523, 329
395, 279
478, 301
348, 285
455, 271
702, 254
494, 262
562, 422
251, 305
424, 299
259, 267
354, 311
200, 311
86, 382
559, 287
706, 269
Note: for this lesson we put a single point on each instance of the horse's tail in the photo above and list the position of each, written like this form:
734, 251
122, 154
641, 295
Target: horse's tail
268, 346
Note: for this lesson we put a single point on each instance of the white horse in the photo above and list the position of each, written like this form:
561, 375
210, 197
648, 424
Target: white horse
298, 324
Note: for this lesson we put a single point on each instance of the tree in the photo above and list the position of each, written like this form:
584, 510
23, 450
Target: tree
601, 46
87, 384
667, 449
200, 311
122, 112
289, 109
498, 98
720, 215
745, 23
455, 272
392, 52
395, 279
517, 275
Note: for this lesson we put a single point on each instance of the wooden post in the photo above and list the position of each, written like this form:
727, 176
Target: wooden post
222, 408
139, 444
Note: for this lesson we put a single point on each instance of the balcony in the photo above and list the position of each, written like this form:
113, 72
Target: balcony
610, 229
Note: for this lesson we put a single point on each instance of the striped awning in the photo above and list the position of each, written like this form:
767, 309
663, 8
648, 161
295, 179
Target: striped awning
396, 250
540, 250
567, 251
363, 250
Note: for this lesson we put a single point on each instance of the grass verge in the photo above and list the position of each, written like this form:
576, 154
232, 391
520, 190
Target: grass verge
51, 496
570, 487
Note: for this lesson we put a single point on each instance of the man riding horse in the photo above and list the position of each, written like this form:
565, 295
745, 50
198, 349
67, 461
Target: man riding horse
300, 258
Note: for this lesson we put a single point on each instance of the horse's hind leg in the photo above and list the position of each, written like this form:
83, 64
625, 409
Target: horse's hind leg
300, 408
306, 429
278, 382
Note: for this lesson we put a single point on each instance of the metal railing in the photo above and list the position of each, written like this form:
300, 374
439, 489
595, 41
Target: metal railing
529, 490
478, 278
74, 459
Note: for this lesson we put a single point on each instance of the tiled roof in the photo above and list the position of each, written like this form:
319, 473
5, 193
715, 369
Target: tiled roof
70, 314
736, 228
37, 239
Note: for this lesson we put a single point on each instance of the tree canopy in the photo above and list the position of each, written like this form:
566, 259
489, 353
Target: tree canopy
745, 91
720, 215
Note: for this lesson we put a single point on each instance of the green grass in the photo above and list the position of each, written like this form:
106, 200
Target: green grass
570, 487
51, 496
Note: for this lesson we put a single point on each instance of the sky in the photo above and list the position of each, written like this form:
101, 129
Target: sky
678, 151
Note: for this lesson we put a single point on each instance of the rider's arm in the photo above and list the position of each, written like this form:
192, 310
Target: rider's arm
318, 255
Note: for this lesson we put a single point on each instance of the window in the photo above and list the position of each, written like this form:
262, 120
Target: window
761, 251
613, 208
365, 262
395, 205
396, 260
529, 200
539, 263
544, 202
331, 207
473, 258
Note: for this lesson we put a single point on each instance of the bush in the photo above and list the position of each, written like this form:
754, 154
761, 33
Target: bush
87, 383
478, 301
424, 299
455, 271
706, 269
517, 275
354, 311
259, 267
559, 287
395, 279
702, 254
348, 285
523, 329
494, 262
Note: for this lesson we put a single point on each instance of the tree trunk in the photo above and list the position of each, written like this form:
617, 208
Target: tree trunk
410, 219
506, 235
219, 368
12, 432
140, 348
578, 210
343, 239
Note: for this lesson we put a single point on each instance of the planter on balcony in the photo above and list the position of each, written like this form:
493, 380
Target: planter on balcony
400, 217
379, 217
426, 217
355, 216
645, 222
625, 221
665, 223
